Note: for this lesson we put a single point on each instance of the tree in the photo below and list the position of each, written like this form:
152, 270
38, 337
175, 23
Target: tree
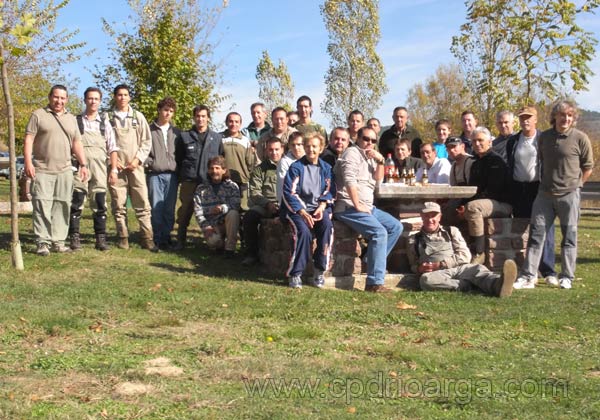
356, 77
168, 54
517, 52
442, 95
275, 83
29, 43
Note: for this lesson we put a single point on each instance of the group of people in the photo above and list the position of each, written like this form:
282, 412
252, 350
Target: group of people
233, 180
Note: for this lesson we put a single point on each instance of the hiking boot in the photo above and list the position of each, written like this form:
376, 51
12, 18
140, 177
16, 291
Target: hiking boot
148, 243
509, 275
123, 243
296, 282
75, 243
60, 248
42, 249
101, 244
377, 288
319, 279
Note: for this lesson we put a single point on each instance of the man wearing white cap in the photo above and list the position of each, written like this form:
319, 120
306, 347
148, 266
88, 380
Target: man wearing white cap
441, 256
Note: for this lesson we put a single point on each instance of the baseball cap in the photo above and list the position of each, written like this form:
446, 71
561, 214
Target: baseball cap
453, 140
430, 207
527, 110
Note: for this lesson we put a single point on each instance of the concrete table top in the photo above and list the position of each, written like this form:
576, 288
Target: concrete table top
431, 191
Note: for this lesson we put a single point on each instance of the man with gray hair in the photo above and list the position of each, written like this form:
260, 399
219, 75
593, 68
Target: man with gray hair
566, 160
505, 123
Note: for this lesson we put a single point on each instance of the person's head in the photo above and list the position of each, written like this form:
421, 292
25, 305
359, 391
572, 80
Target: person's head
296, 144
367, 138
279, 119
431, 214
564, 115
217, 170
402, 149
481, 140
92, 97
274, 149
121, 97
314, 143
468, 122
293, 117
166, 109
443, 128
233, 121
528, 120
455, 147
505, 123
201, 117
400, 117
339, 140
58, 98
259, 113
304, 107
374, 124
428, 154
356, 121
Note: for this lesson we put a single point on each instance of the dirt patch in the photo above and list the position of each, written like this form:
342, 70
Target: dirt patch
131, 389
162, 366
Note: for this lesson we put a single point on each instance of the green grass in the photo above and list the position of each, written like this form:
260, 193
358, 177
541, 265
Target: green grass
75, 327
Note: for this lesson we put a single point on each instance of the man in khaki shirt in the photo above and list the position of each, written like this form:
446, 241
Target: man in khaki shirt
51, 137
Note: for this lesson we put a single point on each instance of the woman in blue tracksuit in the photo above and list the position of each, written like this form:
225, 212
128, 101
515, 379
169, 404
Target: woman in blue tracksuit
308, 193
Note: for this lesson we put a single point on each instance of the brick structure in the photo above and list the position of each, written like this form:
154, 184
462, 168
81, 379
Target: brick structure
506, 238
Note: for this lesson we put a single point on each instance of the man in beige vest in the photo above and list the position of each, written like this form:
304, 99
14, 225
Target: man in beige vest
51, 137
132, 134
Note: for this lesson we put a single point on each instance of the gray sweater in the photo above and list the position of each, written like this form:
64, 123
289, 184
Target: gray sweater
162, 157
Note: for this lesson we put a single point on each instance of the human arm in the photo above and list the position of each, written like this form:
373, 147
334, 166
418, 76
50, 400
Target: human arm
144, 143
28, 155
77, 149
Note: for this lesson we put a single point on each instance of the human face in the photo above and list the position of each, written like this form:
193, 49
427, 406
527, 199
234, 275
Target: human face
401, 151
455, 150
480, 144
297, 147
280, 121
234, 123
201, 120
57, 100
505, 125
304, 110
122, 99
374, 124
165, 115
355, 122
215, 173
258, 116
428, 154
528, 124
368, 140
400, 118
274, 151
431, 221
92, 102
564, 120
468, 123
443, 132
339, 141
292, 119
313, 149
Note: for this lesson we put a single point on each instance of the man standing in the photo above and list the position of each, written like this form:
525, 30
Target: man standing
338, 142
259, 124
305, 124
356, 121
280, 129
133, 140
468, 121
51, 136
193, 149
356, 173
438, 170
566, 162
441, 257
375, 125
239, 155
161, 173
98, 141
263, 198
505, 123
400, 130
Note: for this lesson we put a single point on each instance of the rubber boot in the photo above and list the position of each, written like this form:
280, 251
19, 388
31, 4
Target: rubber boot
101, 244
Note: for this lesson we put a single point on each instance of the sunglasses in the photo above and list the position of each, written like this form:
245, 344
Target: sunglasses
367, 139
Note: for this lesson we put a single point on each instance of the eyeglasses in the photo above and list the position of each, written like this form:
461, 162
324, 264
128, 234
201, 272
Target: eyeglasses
368, 139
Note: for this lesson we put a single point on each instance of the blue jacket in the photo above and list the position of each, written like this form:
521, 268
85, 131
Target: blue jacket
292, 200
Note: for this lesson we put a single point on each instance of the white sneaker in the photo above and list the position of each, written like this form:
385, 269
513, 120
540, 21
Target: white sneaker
566, 283
524, 283
552, 281
295, 282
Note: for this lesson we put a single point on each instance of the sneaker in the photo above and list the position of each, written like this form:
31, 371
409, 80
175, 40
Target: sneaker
319, 279
509, 274
42, 249
552, 281
566, 283
296, 282
524, 283
60, 248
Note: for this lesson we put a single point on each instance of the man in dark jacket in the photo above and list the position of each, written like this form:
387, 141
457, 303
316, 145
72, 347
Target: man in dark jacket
400, 130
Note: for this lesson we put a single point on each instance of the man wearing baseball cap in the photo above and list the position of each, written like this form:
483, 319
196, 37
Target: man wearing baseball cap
441, 256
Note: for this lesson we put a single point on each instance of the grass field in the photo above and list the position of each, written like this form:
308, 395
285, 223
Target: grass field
135, 335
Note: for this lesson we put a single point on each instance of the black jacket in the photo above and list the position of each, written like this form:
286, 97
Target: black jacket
489, 173
192, 154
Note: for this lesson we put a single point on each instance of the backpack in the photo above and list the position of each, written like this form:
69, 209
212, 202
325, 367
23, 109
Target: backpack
419, 238
80, 124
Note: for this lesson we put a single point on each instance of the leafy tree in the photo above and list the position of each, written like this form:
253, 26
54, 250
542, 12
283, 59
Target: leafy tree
168, 54
356, 77
276, 87
517, 52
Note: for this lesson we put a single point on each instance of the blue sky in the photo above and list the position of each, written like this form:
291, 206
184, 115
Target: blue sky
415, 39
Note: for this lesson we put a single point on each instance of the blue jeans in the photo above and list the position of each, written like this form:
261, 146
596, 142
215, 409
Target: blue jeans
382, 231
162, 194
548, 259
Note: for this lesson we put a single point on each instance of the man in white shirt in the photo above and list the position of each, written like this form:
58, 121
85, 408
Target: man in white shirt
438, 170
